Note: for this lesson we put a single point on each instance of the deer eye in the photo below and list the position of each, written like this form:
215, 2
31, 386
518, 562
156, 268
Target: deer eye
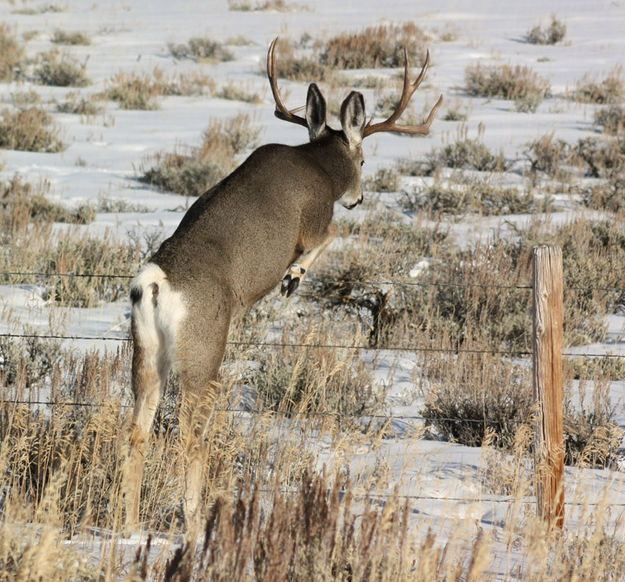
362, 162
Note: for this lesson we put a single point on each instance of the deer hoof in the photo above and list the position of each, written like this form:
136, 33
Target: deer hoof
291, 280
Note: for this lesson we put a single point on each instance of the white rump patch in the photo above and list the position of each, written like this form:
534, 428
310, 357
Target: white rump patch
157, 315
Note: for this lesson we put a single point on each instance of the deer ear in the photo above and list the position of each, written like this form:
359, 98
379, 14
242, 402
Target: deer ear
315, 111
353, 118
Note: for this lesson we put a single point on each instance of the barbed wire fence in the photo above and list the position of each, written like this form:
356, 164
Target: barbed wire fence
279, 344
380, 418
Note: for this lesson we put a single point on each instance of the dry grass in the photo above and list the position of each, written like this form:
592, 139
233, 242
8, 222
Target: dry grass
191, 172
12, 57
200, 49
61, 70
18, 198
480, 314
518, 83
473, 397
552, 34
269, 5
463, 154
78, 104
376, 46
473, 196
134, 91
333, 384
29, 130
236, 92
70, 38
30, 245
291, 522
611, 119
608, 91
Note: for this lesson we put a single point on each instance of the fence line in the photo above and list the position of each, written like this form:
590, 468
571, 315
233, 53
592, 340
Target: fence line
385, 418
283, 413
355, 282
411, 349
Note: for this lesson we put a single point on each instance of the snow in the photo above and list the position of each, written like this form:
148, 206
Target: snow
443, 478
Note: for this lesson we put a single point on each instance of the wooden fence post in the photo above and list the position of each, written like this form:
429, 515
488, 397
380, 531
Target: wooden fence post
549, 439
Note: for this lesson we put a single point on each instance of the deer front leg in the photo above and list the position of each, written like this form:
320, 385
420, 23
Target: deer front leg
296, 272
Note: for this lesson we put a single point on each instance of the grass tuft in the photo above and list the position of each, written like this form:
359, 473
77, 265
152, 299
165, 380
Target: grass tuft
70, 38
12, 56
29, 130
61, 70
190, 173
552, 34
200, 49
608, 91
376, 46
517, 83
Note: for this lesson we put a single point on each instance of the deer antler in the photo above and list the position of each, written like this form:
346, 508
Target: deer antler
407, 92
281, 111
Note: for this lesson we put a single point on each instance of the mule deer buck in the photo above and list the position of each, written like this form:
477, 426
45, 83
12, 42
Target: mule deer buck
263, 224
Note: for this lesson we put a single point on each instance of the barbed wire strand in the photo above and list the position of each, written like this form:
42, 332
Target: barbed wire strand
411, 349
355, 282
383, 418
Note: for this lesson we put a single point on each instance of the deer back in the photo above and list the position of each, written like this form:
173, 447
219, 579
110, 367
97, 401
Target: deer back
245, 231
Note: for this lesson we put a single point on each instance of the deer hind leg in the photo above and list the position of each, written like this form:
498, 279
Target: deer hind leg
201, 353
156, 313
297, 271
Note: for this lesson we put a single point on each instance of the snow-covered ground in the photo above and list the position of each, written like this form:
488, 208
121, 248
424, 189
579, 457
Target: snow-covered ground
105, 151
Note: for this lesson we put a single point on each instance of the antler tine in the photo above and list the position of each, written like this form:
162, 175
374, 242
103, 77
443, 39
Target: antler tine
406, 94
281, 111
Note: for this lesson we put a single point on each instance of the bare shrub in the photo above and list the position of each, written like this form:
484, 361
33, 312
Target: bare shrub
271, 5
118, 205
459, 296
594, 157
548, 155
607, 91
552, 34
474, 395
61, 70
606, 195
28, 360
455, 114
463, 154
592, 436
297, 67
70, 38
191, 173
12, 55
518, 83
602, 158
384, 180
236, 92
478, 196
134, 91
611, 119
200, 49
29, 130
356, 287
78, 104
316, 381
41, 9
18, 197
24, 99
376, 46
191, 83
91, 258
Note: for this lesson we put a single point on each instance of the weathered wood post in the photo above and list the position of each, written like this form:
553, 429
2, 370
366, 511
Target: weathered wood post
549, 440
